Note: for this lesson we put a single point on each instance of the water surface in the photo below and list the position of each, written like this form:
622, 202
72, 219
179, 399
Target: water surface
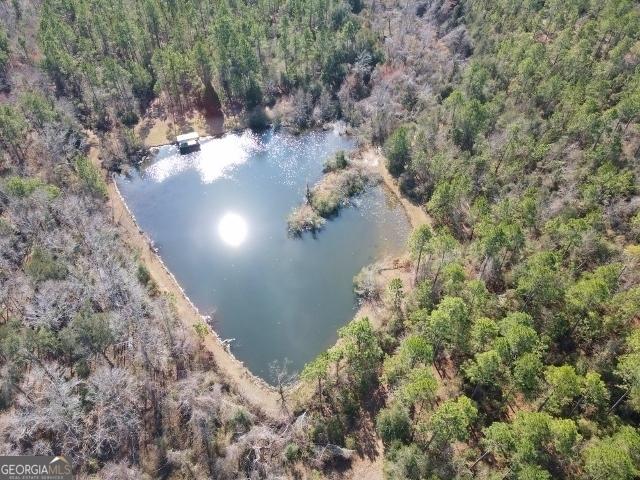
218, 218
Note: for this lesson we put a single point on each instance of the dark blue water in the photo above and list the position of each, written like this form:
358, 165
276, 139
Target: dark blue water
218, 217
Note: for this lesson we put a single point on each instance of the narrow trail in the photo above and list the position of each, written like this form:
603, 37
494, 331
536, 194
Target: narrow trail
255, 391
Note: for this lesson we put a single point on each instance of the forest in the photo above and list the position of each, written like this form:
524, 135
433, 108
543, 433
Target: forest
509, 349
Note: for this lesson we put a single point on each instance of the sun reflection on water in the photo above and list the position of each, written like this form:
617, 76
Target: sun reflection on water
233, 229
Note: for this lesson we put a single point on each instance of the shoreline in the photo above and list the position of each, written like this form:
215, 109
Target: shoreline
254, 390
372, 156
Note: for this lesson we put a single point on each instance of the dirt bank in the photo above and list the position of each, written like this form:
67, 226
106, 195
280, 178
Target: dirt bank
257, 393
372, 156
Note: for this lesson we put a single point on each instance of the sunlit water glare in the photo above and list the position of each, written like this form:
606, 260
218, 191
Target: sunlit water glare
233, 229
216, 158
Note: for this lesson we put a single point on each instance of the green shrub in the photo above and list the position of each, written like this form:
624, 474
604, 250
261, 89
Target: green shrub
406, 463
5, 227
5, 50
351, 442
37, 108
608, 183
393, 424
201, 330
42, 265
349, 406
335, 431
144, 277
328, 430
128, 117
338, 162
90, 176
327, 204
398, 151
143, 274
240, 420
292, 453
635, 225
24, 186
82, 367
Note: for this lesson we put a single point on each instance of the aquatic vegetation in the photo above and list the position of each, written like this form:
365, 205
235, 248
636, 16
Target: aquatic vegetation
304, 219
337, 162
329, 195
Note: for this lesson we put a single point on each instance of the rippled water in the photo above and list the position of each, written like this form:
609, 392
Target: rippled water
218, 218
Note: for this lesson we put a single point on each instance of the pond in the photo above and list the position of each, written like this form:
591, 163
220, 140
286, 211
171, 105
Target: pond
218, 219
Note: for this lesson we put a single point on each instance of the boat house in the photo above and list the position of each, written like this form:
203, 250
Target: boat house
188, 142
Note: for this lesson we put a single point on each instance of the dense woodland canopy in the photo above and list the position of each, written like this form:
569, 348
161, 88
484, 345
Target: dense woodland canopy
512, 348
116, 55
